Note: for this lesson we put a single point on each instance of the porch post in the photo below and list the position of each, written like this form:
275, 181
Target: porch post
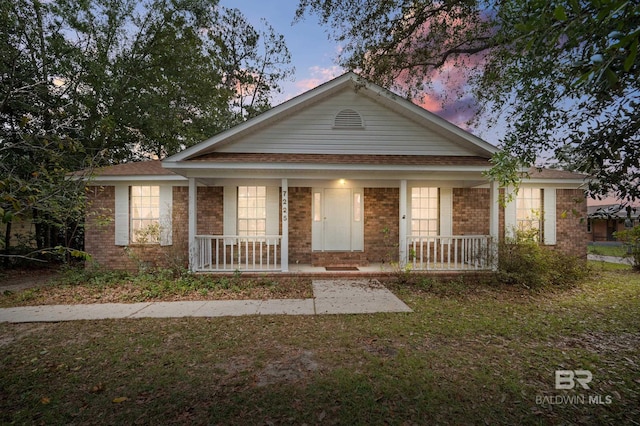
284, 250
494, 221
402, 254
193, 223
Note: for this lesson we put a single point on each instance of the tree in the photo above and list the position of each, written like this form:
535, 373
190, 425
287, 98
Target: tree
566, 72
85, 83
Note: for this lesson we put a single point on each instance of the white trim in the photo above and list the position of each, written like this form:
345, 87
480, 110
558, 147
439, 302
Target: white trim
284, 250
403, 223
193, 223
549, 220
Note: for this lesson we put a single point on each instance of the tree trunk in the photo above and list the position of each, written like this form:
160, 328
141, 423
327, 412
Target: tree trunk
7, 244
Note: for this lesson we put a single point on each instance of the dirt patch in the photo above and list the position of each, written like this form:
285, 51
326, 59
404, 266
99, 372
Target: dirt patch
22, 279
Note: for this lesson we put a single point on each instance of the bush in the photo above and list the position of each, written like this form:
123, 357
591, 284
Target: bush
631, 238
523, 261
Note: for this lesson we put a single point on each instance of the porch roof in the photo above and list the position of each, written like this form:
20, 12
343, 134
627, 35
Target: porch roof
403, 160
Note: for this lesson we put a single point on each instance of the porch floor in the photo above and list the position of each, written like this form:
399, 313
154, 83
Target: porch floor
369, 271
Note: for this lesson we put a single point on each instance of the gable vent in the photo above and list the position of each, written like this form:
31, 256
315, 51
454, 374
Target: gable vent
348, 119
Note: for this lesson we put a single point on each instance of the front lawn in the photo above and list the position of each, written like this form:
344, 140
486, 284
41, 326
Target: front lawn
468, 354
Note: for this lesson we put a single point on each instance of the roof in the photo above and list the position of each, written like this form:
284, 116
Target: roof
478, 146
134, 171
137, 168
538, 173
417, 160
614, 211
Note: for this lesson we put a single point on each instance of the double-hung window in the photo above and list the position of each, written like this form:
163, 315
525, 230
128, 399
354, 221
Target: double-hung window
145, 214
252, 210
424, 212
529, 210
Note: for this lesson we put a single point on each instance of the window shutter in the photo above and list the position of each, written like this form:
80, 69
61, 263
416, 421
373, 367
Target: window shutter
549, 216
230, 209
510, 215
273, 210
166, 215
122, 215
446, 212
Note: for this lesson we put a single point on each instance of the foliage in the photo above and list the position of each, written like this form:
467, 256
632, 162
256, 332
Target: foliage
564, 75
523, 261
631, 238
86, 83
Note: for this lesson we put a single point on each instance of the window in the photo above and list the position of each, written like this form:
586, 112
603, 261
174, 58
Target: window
529, 210
424, 212
252, 210
145, 214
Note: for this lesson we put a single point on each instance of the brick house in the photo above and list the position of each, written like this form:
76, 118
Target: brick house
345, 175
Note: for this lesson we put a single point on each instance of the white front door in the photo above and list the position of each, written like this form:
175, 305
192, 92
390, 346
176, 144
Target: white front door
337, 219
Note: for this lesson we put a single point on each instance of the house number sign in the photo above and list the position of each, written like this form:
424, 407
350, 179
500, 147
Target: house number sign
285, 206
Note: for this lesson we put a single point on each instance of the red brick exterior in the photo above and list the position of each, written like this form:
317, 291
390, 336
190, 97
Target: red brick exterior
471, 210
381, 226
571, 219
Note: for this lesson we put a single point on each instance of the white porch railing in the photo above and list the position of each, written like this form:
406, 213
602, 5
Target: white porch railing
220, 253
456, 253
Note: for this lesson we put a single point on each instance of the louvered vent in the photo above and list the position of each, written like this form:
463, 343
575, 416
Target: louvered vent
348, 119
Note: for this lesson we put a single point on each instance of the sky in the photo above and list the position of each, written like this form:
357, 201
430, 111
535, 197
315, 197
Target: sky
314, 54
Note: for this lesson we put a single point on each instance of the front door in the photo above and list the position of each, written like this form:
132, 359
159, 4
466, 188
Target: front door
338, 222
337, 219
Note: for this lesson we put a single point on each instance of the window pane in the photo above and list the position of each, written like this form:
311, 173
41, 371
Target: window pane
252, 211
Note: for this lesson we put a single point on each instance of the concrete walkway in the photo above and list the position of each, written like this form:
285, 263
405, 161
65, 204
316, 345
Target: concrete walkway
611, 259
330, 297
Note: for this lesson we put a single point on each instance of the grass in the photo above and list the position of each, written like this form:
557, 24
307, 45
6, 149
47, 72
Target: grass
607, 250
468, 354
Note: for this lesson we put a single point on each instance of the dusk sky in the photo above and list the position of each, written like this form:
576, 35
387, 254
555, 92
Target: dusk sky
314, 55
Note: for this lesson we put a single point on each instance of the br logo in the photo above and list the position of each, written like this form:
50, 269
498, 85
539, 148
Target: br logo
566, 379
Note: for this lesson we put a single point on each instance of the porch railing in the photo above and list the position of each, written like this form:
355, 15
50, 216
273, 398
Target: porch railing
455, 253
218, 253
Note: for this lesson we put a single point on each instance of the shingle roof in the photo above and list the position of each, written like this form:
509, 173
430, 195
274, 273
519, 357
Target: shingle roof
417, 160
138, 168
535, 173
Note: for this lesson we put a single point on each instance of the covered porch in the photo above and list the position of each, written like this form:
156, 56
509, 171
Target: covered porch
295, 247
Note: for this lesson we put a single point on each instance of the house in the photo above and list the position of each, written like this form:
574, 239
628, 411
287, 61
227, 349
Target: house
345, 175
608, 216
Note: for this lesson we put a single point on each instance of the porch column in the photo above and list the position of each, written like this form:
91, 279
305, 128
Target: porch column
284, 250
193, 223
403, 223
494, 221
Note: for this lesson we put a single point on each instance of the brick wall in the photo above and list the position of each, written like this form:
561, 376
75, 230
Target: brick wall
571, 218
381, 224
471, 211
381, 228
100, 234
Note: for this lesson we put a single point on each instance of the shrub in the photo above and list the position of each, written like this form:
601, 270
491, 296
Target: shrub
631, 238
523, 261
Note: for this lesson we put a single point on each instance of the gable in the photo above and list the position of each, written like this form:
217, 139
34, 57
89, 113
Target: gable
347, 115
349, 122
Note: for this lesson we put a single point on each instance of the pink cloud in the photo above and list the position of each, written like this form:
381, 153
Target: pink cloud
317, 76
